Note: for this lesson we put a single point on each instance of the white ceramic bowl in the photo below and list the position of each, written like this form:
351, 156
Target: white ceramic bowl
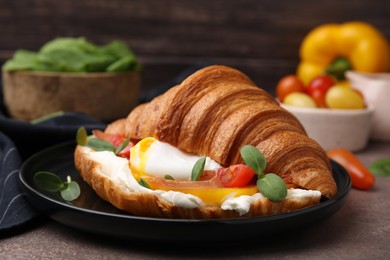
336, 128
376, 90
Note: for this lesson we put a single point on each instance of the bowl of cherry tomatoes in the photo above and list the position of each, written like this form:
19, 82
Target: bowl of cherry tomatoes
333, 113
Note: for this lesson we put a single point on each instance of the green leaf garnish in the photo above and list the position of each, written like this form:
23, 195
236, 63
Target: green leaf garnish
168, 177
198, 168
380, 167
143, 183
81, 136
272, 187
100, 145
71, 192
51, 182
122, 146
253, 158
48, 181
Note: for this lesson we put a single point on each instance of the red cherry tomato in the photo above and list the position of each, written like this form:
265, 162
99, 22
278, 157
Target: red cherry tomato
361, 177
319, 98
117, 140
235, 176
287, 85
114, 139
318, 87
125, 152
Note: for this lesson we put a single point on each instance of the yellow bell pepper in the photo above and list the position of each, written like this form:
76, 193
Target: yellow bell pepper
335, 48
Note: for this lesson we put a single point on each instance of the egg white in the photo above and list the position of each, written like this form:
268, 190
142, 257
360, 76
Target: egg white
158, 159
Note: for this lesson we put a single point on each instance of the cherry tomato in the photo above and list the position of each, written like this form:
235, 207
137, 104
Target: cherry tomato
359, 93
235, 176
361, 177
115, 139
344, 98
298, 99
319, 98
207, 175
125, 152
287, 85
318, 87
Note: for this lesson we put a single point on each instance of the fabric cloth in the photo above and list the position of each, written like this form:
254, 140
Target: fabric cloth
14, 210
19, 140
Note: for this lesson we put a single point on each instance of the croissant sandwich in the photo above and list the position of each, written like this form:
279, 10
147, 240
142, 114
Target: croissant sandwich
181, 155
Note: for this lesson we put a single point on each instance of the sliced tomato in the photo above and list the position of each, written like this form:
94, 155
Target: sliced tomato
126, 151
165, 184
208, 175
212, 192
213, 186
234, 176
115, 139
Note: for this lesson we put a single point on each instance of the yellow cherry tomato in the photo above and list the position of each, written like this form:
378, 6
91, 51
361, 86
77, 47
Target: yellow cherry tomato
343, 98
299, 99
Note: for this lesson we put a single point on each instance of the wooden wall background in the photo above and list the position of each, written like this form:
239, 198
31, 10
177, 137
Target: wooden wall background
260, 37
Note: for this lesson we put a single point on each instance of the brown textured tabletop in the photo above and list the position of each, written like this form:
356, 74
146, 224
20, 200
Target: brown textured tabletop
359, 230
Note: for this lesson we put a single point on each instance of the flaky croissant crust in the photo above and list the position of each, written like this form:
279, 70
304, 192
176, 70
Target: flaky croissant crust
217, 110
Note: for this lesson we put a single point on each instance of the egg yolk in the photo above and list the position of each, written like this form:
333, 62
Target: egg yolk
211, 196
143, 154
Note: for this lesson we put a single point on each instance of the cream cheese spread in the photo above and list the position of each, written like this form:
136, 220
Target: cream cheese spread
118, 170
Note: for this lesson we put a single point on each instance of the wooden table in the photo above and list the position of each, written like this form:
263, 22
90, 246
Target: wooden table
359, 230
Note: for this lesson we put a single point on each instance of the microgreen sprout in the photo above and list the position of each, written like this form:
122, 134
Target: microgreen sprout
69, 190
198, 168
122, 146
143, 183
168, 177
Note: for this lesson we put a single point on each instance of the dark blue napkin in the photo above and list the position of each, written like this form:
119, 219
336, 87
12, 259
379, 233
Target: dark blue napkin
19, 140
14, 210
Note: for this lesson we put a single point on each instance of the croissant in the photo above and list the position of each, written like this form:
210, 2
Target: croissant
214, 112
217, 110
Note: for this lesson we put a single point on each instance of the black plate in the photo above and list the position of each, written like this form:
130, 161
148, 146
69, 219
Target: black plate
92, 214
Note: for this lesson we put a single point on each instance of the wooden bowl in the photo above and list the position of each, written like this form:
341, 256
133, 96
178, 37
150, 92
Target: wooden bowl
105, 96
